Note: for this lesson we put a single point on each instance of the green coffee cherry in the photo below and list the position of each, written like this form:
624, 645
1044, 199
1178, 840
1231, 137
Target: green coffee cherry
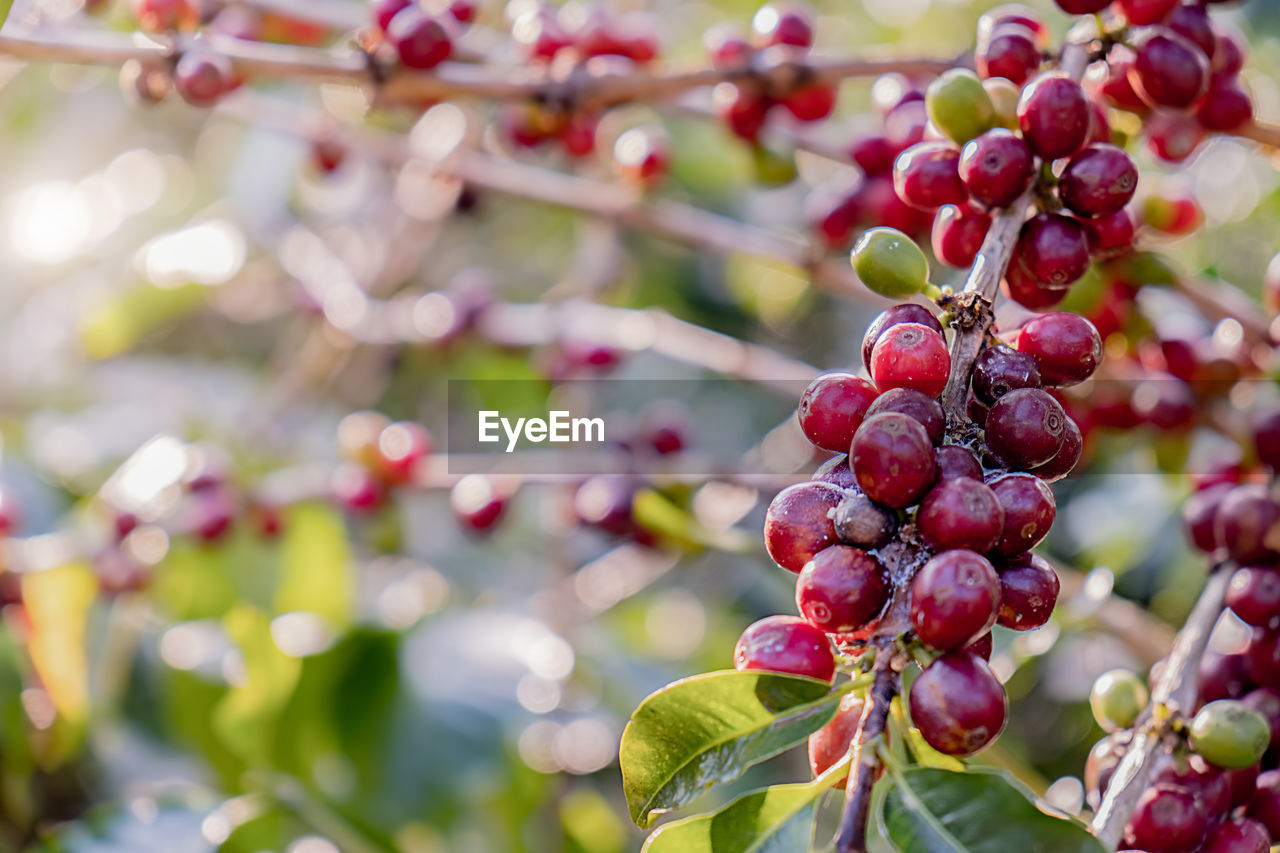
890, 263
959, 106
1230, 734
1004, 100
1117, 699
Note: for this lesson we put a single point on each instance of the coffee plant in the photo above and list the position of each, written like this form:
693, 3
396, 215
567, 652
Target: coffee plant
272, 257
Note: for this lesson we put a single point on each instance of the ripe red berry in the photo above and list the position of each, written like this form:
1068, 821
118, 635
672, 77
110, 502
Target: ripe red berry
810, 101
1264, 805
420, 40
401, 446
1254, 595
1209, 783
782, 23
1012, 13
958, 233
641, 155
916, 405
1028, 592
1110, 236
1082, 7
1167, 819
1115, 87
798, 523
1173, 137
476, 503
726, 45
539, 34
201, 78
1191, 21
1065, 346
926, 176
785, 644
1010, 52
1141, 13
1229, 52
156, 16
841, 589
832, 408
356, 490
1028, 508
904, 312
958, 704
1266, 437
1199, 512
743, 109
911, 355
1264, 700
996, 167
1025, 428
831, 743
961, 513
1053, 113
1098, 181
1053, 249
955, 596
1064, 461
1226, 107
1169, 70
1237, 835
1262, 657
837, 472
874, 155
384, 10
1001, 369
892, 459
862, 522
606, 503
1223, 677
1244, 521
954, 461
1023, 288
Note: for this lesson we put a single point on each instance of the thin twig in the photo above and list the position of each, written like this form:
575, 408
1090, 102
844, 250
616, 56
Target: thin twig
1264, 134
852, 836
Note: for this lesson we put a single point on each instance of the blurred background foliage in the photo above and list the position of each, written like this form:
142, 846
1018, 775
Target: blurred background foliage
390, 682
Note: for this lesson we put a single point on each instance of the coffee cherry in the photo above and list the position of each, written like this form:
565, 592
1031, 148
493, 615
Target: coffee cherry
837, 472
785, 644
1243, 522
726, 45
1053, 249
384, 10
1229, 52
1012, 13
1210, 784
1172, 137
958, 704
1266, 702
926, 176
798, 524
1000, 369
810, 101
1022, 287
476, 503
1141, 13
1172, 213
1066, 347
996, 167
1169, 70
1254, 595
1009, 52
1109, 236
743, 109
832, 408
421, 41
982, 647
1223, 676
1264, 805
961, 513
606, 503
401, 447
1025, 428
955, 462
831, 743
841, 589
1198, 514
910, 355
1082, 7
1226, 107
1064, 461
1229, 734
1243, 783
1117, 698
892, 459
782, 23
1237, 835
958, 105
1266, 436
1028, 508
1191, 21
1098, 181
862, 522
874, 155
958, 233
641, 155
356, 490
155, 16
1028, 593
201, 78
1262, 657
890, 263
1054, 114
1167, 819
906, 312
954, 597
914, 404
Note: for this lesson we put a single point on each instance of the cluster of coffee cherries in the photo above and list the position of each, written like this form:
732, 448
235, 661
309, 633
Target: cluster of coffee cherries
967, 506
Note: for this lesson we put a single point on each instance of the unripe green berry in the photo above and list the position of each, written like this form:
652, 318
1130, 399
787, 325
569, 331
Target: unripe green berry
1230, 734
1117, 699
890, 263
959, 106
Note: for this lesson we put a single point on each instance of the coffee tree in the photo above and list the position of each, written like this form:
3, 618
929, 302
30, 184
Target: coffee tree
230, 603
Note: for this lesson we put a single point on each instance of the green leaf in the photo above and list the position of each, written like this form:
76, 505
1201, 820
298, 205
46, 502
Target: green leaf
5, 6
316, 565
245, 717
929, 810
775, 820
708, 729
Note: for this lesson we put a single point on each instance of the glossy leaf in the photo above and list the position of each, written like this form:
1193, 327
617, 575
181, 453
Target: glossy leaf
930, 810
775, 820
316, 565
708, 729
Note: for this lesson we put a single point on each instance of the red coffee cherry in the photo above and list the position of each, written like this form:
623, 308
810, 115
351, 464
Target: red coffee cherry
1264, 805
1262, 658
837, 472
1082, 7
892, 459
1115, 87
955, 462
1169, 70
1198, 514
1167, 818
1001, 369
832, 408
1098, 181
1109, 236
1029, 509
862, 522
1141, 13
958, 233
1012, 13
1172, 137
1028, 593
1191, 21
911, 355
641, 155
996, 167
1243, 521
831, 743
916, 405
1064, 461
726, 45
1053, 113
841, 589
798, 524
954, 597
810, 101
1025, 428
420, 40
1066, 347
926, 176
1266, 437
1229, 52
1054, 249
1254, 595
1022, 287
903, 312
785, 644
982, 647
156, 16
782, 23
958, 704
1223, 677
1237, 835
356, 490
477, 504
384, 10
201, 78
1209, 783
1010, 52
874, 155
961, 513
1266, 701
743, 109
1226, 107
